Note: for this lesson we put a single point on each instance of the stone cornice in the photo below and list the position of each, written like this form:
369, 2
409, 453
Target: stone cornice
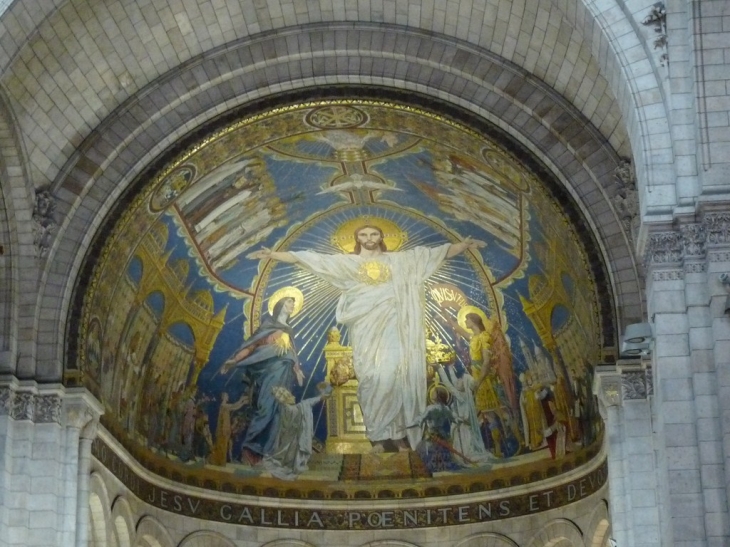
337, 514
674, 247
26, 400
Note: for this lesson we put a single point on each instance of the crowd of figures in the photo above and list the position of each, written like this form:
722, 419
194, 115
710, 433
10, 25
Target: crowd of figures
479, 412
476, 415
264, 427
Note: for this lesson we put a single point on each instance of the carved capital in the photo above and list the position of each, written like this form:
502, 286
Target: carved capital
693, 240
24, 402
607, 386
627, 381
81, 411
718, 228
47, 409
22, 406
691, 243
636, 384
664, 248
43, 404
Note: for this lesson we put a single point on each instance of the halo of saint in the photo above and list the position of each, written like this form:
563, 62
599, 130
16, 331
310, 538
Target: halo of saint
393, 236
466, 310
287, 292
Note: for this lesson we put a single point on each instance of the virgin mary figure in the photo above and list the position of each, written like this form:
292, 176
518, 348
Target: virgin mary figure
268, 360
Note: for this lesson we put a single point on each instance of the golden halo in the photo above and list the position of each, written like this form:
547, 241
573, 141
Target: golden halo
466, 310
432, 393
344, 236
287, 292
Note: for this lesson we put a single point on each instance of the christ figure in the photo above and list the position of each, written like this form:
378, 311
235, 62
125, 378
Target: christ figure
382, 303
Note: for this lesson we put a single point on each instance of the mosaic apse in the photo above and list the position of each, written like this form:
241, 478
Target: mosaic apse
345, 298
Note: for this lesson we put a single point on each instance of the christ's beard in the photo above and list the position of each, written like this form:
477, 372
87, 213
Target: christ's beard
371, 245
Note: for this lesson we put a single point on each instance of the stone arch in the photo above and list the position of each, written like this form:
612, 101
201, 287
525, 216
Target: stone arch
100, 521
487, 539
481, 28
151, 533
593, 26
582, 160
206, 538
623, 61
18, 253
123, 520
634, 77
599, 527
557, 533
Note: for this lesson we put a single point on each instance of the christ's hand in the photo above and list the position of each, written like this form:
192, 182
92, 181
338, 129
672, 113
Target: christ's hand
265, 253
467, 243
261, 254
474, 243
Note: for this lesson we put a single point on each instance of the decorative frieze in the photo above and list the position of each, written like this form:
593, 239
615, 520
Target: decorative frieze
718, 228
657, 18
43, 222
627, 381
28, 405
693, 240
664, 248
636, 384
668, 275
721, 256
40, 404
691, 244
390, 514
22, 407
626, 200
47, 409
695, 267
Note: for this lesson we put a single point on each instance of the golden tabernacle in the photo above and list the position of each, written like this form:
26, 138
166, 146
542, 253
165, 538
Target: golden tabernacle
345, 426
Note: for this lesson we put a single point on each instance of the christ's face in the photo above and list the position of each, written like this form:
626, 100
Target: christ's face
369, 238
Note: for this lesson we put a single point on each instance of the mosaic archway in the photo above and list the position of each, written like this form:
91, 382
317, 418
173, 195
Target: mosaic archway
368, 298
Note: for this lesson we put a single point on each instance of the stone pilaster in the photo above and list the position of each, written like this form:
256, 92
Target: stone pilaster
624, 392
718, 452
39, 462
689, 408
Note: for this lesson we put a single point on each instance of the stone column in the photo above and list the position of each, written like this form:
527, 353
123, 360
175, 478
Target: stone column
624, 392
82, 420
39, 455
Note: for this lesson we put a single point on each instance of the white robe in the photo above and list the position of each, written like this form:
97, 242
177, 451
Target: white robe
386, 323
467, 437
293, 446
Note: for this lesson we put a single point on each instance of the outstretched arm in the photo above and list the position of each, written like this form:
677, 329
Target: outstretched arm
281, 256
468, 243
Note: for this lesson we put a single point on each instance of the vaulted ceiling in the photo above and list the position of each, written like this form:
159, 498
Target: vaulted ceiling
94, 91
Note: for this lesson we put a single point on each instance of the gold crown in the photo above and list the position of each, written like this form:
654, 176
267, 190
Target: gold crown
437, 351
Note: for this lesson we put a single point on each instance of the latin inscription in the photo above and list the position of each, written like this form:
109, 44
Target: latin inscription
255, 515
